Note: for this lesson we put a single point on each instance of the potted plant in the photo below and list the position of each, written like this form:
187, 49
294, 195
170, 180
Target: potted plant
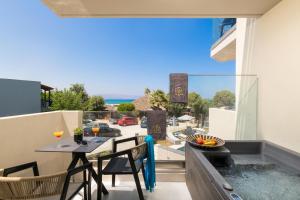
78, 134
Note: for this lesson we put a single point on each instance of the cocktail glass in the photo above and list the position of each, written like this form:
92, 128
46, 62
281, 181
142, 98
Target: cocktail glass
95, 131
58, 135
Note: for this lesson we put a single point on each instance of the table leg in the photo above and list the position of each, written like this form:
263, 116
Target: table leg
75, 159
99, 190
94, 174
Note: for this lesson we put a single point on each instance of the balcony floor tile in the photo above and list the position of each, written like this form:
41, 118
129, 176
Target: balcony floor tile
127, 191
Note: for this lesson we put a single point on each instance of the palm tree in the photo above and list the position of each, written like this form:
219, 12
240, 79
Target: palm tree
158, 100
147, 91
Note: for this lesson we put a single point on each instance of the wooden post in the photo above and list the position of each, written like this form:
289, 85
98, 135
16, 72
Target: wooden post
49, 100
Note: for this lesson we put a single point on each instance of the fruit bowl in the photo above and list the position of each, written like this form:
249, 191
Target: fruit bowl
208, 141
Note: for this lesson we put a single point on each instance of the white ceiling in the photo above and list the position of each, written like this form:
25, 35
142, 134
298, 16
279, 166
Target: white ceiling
160, 8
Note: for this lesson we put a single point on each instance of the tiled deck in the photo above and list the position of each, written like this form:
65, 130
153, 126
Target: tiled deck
127, 191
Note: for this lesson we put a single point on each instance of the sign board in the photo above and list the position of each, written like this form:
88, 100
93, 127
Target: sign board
179, 88
157, 124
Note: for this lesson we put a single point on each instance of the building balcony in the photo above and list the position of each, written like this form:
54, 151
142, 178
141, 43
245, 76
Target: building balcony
224, 39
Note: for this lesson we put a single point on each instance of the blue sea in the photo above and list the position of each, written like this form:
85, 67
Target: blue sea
118, 101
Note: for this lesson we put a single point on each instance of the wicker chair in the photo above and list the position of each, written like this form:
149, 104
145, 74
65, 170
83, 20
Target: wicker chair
41, 186
124, 162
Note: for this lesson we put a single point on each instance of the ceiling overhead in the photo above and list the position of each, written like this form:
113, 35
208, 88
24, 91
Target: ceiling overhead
160, 8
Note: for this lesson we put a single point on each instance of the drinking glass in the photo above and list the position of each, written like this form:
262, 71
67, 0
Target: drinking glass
58, 135
95, 131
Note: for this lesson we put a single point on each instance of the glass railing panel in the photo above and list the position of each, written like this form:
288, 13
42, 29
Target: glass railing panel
227, 108
128, 124
246, 122
217, 94
220, 27
112, 123
234, 117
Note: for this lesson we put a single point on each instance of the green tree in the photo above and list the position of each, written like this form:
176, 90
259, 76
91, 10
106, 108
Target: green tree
66, 100
126, 107
224, 98
195, 102
96, 103
200, 107
80, 90
176, 109
75, 98
158, 100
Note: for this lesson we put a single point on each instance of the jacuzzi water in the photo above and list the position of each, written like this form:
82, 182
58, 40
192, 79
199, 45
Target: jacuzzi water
260, 180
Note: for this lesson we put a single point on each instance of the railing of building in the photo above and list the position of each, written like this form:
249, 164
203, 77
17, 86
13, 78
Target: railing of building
221, 26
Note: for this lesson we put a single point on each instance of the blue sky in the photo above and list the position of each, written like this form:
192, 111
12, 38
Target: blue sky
111, 57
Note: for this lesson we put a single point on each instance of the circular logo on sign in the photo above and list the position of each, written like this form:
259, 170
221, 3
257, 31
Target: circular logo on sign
178, 91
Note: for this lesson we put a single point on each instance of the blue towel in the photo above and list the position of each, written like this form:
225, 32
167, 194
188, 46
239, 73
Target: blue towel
150, 177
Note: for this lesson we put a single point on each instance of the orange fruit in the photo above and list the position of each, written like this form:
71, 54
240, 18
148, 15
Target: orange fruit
199, 140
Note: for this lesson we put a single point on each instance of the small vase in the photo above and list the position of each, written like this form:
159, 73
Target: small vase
78, 138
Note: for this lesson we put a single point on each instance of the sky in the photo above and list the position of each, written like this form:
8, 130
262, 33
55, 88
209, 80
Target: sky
111, 57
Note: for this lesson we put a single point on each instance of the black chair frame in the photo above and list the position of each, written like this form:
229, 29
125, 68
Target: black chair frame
86, 184
129, 155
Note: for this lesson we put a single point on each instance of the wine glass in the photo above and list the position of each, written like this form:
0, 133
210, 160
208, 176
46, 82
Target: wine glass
95, 131
58, 135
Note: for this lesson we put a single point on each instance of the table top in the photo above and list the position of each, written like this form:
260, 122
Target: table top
69, 146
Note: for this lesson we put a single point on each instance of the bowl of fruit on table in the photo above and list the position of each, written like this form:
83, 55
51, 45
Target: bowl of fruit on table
205, 141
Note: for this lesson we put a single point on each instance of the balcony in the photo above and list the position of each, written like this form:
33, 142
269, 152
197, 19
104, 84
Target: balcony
182, 171
32, 131
224, 39
259, 152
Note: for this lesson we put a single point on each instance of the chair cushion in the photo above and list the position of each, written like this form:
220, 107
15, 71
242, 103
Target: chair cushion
120, 165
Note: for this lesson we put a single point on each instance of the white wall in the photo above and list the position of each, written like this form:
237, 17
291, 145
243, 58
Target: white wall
274, 55
222, 123
21, 135
72, 120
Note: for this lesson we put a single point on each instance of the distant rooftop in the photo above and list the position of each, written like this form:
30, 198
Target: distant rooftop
46, 87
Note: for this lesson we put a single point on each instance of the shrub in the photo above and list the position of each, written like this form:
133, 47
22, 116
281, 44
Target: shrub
78, 131
96, 103
224, 98
126, 107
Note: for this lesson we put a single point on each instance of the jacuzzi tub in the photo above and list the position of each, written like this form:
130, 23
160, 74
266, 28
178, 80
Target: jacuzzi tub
243, 170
